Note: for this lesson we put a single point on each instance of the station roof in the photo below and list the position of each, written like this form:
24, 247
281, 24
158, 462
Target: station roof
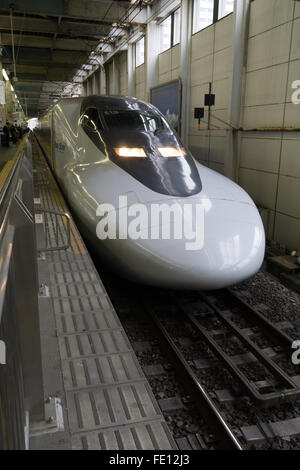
52, 40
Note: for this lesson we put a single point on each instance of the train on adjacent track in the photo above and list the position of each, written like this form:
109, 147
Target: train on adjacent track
122, 152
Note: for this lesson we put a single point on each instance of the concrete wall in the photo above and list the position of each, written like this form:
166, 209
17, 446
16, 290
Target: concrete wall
211, 58
269, 161
140, 82
168, 64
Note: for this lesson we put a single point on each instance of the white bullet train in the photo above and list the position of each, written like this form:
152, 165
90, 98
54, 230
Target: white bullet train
104, 147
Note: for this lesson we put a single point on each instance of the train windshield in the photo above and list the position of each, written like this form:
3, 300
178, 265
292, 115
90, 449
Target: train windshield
133, 120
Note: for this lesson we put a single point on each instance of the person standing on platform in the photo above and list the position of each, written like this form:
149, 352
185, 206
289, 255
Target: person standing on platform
5, 140
13, 133
19, 131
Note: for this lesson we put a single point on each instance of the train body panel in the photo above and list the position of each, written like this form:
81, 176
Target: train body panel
91, 175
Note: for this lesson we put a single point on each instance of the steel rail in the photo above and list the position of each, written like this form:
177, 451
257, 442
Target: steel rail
292, 390
203, 401
270, 329
261, 399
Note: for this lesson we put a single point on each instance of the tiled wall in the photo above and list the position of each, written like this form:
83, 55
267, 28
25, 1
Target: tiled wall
270, 161
211, 59
140, 83
168, 64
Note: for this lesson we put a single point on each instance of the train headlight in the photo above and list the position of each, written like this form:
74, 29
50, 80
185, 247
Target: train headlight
171, 152
130, 152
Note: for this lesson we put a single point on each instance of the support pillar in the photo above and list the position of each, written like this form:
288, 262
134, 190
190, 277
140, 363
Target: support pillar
131, 69
93, 79
96, 82
98, 74
152, 51
185, 66
88, 87
239, 57
116, 76
2, 106
9, 101
102, 80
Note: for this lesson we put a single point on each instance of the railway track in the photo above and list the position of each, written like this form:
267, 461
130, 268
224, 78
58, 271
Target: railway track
226, 438
219, 334
232, 363
228, 316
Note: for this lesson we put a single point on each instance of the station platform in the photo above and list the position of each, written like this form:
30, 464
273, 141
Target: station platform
88, 363
7, 157
7, 154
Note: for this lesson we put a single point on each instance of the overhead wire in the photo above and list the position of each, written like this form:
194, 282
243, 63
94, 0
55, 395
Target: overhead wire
12, 41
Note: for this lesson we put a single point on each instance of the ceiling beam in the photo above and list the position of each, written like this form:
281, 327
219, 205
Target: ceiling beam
51, 75
41, 69
44, 42
46, 57
53, 39
28, 90
38, 25
89, 9
52, 26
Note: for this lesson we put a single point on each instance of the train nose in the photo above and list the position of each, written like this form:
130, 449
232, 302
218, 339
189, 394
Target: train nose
227, 249
234, 244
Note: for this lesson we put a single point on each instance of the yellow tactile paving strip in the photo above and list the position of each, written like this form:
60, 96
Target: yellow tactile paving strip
9, 165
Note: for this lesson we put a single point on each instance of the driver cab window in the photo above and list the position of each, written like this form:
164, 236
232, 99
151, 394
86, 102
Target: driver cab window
92, 125
91, 121
133, 120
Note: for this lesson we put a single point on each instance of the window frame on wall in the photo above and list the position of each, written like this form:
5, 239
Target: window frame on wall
220, 2
136, 51
174, 35
197, 3
174, 32
216, 16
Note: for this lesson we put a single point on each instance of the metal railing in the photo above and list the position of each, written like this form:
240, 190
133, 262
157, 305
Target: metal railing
21, 384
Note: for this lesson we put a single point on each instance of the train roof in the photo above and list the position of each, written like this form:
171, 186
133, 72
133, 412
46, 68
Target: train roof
114, 102
108, 102
104, 100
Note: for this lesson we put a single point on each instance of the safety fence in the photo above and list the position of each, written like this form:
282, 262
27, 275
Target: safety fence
21, 384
